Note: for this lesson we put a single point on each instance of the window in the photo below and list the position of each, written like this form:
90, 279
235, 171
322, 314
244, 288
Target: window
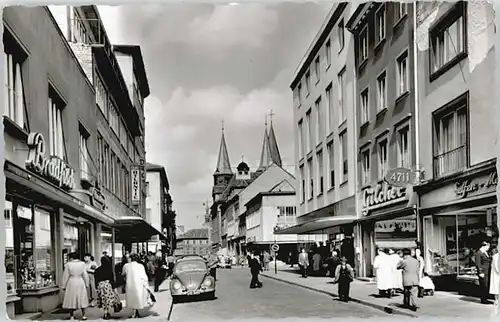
448, 40
317, 70
451, 141
320, 121
10, 258
380, 24
14, 100
365, 167
302, 185
308, 83
286, 215
331, 164
310, 168
341, 34
343, 158
112, 173
310, 142
328, 53
78, 31
363, 45
383, 164
100, 157
101, 96
106, 175
382, 91
319, 158
148, 193
403, 147
299, 93
301, 139
123, 134
400, 10
365, 101
329, 109
341, 92
114, 119
402, 74
56, 133
84, 154
119, 179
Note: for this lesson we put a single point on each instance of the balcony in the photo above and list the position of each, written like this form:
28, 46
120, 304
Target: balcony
450, 162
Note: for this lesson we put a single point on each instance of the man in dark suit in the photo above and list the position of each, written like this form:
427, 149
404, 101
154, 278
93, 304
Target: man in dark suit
483, 264
255, 269
410, 267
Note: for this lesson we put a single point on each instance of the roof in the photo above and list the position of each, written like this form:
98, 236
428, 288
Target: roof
235, 183
265, 154
273, 147
139, 68
197, 233
150, 167
317, 43
223, 163
276, 190
360, 15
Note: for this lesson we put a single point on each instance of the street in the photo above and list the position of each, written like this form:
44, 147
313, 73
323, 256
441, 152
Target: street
274, 300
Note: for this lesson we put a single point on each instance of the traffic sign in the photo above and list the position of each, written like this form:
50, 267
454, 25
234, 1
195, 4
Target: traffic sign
400, 177
275, 247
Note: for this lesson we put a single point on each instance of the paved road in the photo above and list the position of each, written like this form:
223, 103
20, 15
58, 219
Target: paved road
275, 300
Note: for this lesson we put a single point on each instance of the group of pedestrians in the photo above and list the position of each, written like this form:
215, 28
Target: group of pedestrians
86, 284
488, 271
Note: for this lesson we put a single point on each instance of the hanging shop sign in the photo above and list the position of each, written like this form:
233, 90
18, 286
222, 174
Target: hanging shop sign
464, 188
52, 168
400, 177
136, 186
97, 198
382, 194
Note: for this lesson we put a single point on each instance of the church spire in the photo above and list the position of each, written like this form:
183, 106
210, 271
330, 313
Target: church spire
223, 164
265, 156
273, 144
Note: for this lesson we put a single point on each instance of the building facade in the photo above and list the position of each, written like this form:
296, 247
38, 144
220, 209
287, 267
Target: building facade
385, 109
457, 197
193, 242
324, 88
159, 208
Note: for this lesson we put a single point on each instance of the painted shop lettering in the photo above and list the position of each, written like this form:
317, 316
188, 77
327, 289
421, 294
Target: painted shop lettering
382, 193
464, 188
52, 168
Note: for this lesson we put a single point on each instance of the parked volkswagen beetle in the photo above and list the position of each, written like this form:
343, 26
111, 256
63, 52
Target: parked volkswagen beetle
191, 277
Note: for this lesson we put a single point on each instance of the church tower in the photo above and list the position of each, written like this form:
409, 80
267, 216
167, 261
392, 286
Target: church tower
273, 145
265, 155
223, 172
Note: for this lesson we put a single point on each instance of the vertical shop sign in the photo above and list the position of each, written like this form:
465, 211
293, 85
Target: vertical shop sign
136, 185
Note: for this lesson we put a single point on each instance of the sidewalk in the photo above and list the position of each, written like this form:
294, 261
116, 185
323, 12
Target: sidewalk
442, 304
160, 310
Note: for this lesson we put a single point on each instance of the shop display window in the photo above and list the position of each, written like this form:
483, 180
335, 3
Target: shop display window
10, 258
451, 241
70, 239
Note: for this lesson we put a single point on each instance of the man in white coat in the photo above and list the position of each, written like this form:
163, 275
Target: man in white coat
383, 272
397, 275
136, 293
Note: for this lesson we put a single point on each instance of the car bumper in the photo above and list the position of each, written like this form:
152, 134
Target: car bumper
192, 292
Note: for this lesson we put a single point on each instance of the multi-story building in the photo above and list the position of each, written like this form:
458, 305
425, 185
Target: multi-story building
193, 242
118, 76
458, 135
159, 207
385, 131
324, 88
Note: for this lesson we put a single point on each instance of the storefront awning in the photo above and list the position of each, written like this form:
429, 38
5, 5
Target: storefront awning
315, 226
134, 229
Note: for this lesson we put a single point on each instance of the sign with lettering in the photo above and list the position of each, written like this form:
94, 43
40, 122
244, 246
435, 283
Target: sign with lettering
98, 200
466, 187
390, 226
52, 168
381, 194
136, 186
400, 177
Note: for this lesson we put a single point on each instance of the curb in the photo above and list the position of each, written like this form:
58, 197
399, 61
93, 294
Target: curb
384, 308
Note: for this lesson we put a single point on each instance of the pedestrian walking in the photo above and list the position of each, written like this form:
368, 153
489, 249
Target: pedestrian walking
170, 265
382, 264
495, 278
410, 267
303, 262
255, 269
212, 264
91, 265
332, 263
421, 269
266, 259
75, 284
136, 281
160, 271
483, 264
344, 275
107, 297
396, 274
316, 262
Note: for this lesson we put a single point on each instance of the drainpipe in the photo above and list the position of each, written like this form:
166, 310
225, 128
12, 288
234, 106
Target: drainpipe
417, 118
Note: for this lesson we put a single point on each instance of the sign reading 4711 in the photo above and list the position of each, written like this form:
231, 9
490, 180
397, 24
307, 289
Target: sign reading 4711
400, 177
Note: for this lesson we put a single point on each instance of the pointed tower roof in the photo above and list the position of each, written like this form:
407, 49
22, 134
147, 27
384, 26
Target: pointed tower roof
265, 155
223, 164
273, 145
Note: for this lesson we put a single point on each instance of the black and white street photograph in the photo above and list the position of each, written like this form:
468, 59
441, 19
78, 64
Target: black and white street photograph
186, 161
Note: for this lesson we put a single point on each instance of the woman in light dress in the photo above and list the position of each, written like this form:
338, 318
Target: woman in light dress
91, 266
495, 277
75, 284
136, 285
383, 273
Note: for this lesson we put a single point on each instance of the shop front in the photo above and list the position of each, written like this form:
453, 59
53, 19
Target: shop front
388, 220
457, 216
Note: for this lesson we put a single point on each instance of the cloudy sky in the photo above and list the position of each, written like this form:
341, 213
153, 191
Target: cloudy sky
206, 63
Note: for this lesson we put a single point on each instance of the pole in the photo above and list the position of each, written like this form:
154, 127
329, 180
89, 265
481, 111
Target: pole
275, 255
